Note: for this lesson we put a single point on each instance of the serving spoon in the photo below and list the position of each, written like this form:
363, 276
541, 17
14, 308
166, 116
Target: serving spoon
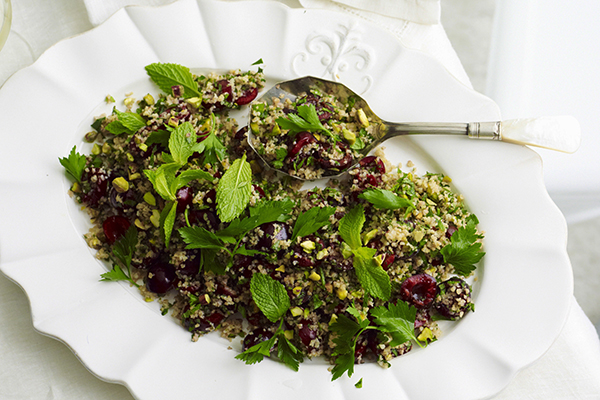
560, 133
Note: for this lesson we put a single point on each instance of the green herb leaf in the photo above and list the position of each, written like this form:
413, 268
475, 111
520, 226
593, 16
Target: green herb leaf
464, 252
346, 331
358, 384
307, 119
214, 151
126, 122
196, 237
258, 352
116, 274
160, 137
189, 175
74, 164
270, 296
371, 275
167, 220
263, 212
167, 75
182, 143
258, 62
124, 248
311, 221
351, 225
162, 180
234, 189
385, 199
289, 354
398, 320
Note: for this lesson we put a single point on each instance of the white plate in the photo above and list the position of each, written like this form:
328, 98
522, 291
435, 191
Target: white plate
524, 285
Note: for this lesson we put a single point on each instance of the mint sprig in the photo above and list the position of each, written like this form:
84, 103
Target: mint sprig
464, 251
74, 164
126, 122
372, 277
270, 296
234, 190
167, 75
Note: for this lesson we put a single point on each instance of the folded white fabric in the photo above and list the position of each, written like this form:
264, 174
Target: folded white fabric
419, 11
100, 10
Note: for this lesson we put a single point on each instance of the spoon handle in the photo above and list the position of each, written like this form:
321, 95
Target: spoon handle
561, 133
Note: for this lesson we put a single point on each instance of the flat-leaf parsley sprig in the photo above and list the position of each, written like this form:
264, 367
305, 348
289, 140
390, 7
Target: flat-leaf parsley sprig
372, 277
123, 250
464, 250
396, 320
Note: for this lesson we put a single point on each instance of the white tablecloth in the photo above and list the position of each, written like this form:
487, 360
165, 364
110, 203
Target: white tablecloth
36, 367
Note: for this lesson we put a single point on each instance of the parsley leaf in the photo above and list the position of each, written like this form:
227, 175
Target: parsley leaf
311, 221
198, 237
307, 119
289, 354
270, 296
346, 331
167, 220
464, 252
74, 164
398, 320
258, 352
351, 225
234, 189
385, 199
371, 275
167, 75
123, 250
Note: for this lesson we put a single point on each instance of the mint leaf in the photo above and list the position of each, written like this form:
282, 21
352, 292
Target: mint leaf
167, 220
182, 143
351, 225
74, 164
398, 320
126, 122
189, 175
385, 199
371, 275
464, 252
160, 137
311, 221
196, 237
270, 296
167, 75
234, 189
162, 180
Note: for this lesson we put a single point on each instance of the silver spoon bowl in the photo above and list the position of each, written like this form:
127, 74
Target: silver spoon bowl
560, 133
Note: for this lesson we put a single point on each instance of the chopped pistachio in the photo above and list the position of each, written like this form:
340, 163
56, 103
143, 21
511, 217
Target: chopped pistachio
379, 259
129, 157
155, 218
314, 276
308, 245
194, 101
120, 184
425, 335
140, 224
96, 149
173, 121
276, 130
90, 136
143, 146
447, 179
369, 235
106, 149
281, 268
349, 136
129, 101
76, 188
254, 127
333, 319
149, 99
109, 99
289, 335
321, 254
134, 176
342, 293
297, 290
296, 311
362, 117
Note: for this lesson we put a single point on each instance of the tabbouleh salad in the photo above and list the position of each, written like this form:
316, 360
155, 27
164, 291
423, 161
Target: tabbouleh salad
183, 209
